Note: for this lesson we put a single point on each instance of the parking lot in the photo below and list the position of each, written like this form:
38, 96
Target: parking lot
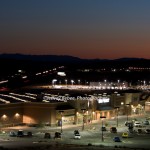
91, 134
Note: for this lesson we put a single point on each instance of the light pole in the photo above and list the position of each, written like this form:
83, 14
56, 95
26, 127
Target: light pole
66, 82
102, 117
78, 82
61, 112
72, 81
117, 108
54, 81
127, 111
77, 117
83, 119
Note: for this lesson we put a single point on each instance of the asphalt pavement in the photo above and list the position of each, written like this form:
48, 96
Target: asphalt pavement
91, 135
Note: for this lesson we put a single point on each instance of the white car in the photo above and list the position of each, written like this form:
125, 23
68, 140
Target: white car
137, 124
77, 136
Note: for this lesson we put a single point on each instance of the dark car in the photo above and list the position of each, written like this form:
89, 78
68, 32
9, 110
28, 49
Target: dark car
29, 134
103, 129
147, 131
57, 135
47, 136
129, 124
139, 131
116, 139
20, 133
76, 132
130, 130
113, 130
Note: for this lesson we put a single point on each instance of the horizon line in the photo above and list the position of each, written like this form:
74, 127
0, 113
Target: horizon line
65, 55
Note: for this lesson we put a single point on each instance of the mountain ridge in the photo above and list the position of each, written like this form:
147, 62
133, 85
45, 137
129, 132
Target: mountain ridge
20, 56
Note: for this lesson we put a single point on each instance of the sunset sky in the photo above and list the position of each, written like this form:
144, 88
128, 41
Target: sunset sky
105, 29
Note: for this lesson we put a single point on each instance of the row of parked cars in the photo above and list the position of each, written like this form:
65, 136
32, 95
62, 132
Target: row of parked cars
126, 134
112, 129
136, 123
20, 133
58, 135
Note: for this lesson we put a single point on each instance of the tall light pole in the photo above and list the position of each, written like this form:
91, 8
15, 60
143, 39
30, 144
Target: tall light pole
72, 81
66, 82
127, 111
83, 110
78, 82
61, 112
54, 81
117, 108
102, 117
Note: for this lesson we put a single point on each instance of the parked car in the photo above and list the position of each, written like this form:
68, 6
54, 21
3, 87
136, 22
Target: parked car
103, 129
12, 133
113, 130
146, 122
57, 135
139, 131
125, 135
77, 134
116, 139
47, 136
137, 124
20, 133
29, 134
147, 131
128, 123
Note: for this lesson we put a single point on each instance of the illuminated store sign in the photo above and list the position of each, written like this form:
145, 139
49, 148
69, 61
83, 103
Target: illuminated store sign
104, 100
61, 73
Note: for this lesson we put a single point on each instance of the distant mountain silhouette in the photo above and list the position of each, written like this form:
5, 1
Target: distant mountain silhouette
59, 58
43, 60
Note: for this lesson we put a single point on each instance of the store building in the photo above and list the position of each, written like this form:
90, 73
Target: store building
73, 111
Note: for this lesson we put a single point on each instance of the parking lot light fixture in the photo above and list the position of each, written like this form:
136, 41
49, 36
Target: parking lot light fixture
127, 111
102, 117
117, 109
66, 82
54, 82
61, 113
83, 110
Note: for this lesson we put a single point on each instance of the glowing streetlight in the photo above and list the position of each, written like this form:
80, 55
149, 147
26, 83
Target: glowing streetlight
17, 115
